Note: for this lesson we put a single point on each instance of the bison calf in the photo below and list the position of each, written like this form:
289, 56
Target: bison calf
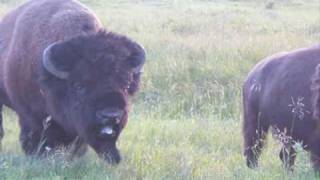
277, 93
58, 63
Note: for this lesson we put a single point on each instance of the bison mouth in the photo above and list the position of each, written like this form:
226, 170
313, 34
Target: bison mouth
109, 120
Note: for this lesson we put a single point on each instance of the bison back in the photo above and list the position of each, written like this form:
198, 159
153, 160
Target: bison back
279, 88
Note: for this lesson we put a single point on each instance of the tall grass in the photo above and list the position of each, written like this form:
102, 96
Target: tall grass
186, 121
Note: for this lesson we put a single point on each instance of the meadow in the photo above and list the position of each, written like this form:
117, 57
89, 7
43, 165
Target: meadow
186, 121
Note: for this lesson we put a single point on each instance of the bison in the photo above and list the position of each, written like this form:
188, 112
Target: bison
66, 77
278, 93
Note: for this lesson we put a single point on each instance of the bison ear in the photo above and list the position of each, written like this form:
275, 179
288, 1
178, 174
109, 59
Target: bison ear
137, 59
58, 59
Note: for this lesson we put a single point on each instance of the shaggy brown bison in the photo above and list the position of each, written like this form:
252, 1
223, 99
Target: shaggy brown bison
60, 68
277, 93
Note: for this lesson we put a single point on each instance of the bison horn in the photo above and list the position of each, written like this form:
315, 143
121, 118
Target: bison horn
49, 66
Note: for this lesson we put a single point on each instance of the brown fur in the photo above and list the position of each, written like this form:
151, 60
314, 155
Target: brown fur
100, 64
277, 93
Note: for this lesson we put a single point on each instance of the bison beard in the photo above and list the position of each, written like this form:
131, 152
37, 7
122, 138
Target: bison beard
277, 93
76, 81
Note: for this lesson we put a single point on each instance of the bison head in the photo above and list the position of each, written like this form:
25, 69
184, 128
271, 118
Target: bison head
87, 81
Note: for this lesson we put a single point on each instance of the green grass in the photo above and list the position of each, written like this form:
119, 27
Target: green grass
186, 121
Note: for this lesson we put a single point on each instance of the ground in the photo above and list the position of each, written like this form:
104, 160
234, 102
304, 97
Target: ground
186, 121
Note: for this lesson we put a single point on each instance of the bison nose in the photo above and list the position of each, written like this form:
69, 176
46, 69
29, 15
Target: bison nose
109, 115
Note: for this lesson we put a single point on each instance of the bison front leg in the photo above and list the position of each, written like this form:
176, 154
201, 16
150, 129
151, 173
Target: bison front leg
1, 128
30, 133
315, 159
29, 140
288, 156
315, 152
54, 137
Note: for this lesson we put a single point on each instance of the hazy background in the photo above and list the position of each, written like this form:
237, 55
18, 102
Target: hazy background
186, 120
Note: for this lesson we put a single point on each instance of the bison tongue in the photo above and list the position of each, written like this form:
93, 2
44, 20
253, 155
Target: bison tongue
107, 130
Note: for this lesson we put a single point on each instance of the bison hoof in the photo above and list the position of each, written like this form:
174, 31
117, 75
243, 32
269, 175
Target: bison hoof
252, 163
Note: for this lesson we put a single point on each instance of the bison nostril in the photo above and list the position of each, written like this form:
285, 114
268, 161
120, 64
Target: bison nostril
108, 114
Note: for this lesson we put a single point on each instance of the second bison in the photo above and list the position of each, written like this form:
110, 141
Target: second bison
57, 61
277, 93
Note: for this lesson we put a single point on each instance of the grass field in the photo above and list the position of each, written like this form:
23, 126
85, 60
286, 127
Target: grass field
186, 121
